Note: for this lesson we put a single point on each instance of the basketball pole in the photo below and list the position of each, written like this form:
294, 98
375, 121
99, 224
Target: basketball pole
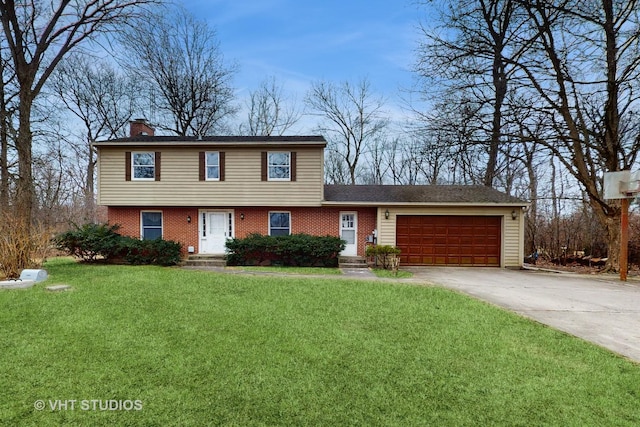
624, 240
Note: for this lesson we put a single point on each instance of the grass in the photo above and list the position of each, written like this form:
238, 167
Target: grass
399, 274
289, 270
201, 348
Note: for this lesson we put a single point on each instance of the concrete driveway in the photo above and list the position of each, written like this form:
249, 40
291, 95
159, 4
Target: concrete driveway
599, 309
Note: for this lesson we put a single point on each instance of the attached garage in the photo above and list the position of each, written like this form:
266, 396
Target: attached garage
433, 225
449, 240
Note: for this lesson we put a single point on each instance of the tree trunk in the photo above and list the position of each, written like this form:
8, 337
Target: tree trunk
532, 217
500, 87
4, 141
4, 155
611, 221
89, 194
24, 188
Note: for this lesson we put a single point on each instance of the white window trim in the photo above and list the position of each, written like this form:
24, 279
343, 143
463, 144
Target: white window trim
206, 166
280, 212
142, 225
269, 153
355, 219
133, 166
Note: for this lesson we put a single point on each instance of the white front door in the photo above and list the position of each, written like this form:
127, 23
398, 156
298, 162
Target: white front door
215, 229
349, 232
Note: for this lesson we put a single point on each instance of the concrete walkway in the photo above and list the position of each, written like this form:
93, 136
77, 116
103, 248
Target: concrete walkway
600, 309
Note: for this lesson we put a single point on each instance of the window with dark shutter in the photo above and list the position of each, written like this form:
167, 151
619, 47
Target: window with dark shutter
142, 166
279, 166
222, 159
265, 167
211, 165
201, 166
293, 165
157, 171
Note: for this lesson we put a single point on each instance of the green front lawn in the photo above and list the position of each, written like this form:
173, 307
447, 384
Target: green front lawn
200, 348
386, 274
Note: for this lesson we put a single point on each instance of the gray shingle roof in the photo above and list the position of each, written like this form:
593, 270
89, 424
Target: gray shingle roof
222, 139
417, 194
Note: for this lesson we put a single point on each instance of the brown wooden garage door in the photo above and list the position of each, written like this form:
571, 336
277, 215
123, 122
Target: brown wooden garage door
449, 240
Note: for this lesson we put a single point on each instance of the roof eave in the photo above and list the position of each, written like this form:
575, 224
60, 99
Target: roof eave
428, 204
176, 144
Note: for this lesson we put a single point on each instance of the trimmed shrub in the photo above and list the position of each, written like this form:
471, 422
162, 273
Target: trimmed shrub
157, 251
300, 250
385, 255
93, 242
90, 242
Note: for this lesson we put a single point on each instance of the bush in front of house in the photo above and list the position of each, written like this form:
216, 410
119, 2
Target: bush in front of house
385, 256
90, 242
300, 250
94, 242
156, 251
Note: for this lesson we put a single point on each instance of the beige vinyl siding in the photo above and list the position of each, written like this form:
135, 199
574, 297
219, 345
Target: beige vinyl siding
180, 186
512, 251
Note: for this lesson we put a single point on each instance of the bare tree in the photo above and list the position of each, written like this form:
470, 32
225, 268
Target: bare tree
8, 107
38, 35
351, 118
103, 101
270, 111
377, 167
452, 132
583, 63
180, 59
335, 169
466, 55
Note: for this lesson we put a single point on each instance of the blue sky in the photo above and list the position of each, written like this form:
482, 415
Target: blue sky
302, 41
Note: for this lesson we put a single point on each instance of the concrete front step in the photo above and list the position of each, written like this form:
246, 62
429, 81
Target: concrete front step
352, 265
352, 262
206, 261
210, 263
206, 256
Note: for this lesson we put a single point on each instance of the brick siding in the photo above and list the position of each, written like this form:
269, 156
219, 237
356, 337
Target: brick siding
314, 221
175, 225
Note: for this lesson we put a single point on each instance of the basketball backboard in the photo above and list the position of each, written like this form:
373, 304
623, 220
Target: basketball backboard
621, 184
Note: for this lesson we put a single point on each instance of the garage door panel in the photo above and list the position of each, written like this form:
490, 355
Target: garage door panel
467, 250
449, 240
403, 240
440, 230
466, 240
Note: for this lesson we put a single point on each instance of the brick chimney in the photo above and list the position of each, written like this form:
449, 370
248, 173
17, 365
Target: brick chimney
140, 127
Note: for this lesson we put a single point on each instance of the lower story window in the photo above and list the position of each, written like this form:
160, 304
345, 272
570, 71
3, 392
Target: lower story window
151, 225
279, 223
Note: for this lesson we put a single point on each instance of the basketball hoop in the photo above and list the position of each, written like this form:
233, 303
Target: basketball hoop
629, 188
621, 185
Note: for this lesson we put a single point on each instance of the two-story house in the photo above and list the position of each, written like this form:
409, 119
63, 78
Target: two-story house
201, 191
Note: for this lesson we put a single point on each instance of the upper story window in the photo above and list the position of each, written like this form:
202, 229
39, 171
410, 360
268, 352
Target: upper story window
279, 166
213, 165
143, 165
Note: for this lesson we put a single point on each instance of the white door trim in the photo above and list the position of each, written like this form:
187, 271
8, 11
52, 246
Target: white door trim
350, 249
203, 241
